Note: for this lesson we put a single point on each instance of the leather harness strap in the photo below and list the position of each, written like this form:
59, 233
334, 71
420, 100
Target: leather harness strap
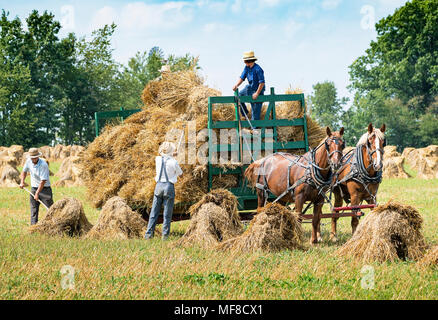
312, 175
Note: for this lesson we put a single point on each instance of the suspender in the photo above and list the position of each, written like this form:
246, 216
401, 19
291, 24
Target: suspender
163, 167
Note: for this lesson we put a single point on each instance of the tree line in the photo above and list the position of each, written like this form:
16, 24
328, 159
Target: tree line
395, 82
50, 87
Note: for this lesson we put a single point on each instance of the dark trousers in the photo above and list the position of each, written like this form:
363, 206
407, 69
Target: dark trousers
45, 196
256, 108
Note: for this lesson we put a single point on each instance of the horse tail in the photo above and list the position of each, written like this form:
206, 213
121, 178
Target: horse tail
251, 173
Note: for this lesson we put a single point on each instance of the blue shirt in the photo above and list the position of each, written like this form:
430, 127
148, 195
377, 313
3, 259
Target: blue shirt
255, 76
38, 172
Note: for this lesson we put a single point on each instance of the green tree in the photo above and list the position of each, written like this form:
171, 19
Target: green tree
92, 86
326, 107
396, 81
403, 61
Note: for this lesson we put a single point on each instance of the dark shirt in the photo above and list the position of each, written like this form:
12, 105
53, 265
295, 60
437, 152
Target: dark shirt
255, 76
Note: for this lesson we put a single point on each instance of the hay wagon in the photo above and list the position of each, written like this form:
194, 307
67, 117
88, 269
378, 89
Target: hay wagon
246, 145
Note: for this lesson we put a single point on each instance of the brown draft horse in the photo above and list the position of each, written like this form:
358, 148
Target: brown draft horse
355, 182
299, 179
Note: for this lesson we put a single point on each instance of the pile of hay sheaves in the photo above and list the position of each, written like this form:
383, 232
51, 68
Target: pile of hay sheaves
423, 160
118, 221
273, 229
65, 217
393, 164
390, 232
121, 161
430, 258
213, 219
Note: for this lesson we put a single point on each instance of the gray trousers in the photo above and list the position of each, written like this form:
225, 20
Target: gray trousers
45, 196
164, 194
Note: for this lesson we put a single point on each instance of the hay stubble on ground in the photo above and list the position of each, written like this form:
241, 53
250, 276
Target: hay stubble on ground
133, 269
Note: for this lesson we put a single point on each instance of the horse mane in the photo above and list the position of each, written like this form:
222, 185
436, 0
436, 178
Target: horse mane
365, 136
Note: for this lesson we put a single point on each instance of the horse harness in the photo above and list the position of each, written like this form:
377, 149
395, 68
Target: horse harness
312, 175
358, 171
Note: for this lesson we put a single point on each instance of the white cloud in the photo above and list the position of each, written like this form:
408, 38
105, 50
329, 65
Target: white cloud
68, 17
141, 16
392, 3
291, 27
236, 7
269, 3
217, 6
330, 4
103, 16
217, 27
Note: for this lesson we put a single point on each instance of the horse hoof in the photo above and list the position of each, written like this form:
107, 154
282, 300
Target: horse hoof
333, 239
319, 239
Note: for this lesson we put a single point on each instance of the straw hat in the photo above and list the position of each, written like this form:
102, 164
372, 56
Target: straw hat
167, 148
34, 153
165, 68
249, 56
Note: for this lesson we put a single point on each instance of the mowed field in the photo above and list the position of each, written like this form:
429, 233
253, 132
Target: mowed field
30, 265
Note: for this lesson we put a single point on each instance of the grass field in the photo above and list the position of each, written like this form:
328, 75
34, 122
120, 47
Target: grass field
30, 265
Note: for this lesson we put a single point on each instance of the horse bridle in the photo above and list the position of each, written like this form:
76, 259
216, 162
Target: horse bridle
371, 152
329, 154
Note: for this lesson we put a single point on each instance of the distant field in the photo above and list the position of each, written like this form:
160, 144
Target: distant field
30, 265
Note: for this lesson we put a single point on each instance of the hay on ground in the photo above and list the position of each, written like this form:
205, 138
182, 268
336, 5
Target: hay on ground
118, 221
65, 217
430, 258
213, 219
275, 228
390, 232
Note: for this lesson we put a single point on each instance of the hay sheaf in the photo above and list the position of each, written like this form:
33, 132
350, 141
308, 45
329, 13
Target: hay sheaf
430, 258
118, 221
70, 173
213, 219
121, 161
393, 167
390, 232
275, 228
65, 217
423, 160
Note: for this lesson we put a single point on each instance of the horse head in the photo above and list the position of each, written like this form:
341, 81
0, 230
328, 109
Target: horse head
334, 144
375, 144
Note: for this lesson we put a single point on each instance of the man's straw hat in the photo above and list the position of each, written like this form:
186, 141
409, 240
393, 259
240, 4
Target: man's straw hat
165, 68
34, 153
249, 56
167, 148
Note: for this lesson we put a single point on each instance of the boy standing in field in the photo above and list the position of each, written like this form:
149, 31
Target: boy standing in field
167, 172
39, 181
256, 79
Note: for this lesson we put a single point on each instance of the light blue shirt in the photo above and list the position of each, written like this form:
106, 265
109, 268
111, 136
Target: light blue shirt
38, 172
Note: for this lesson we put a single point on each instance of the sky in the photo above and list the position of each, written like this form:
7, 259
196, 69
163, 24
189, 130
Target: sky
298, 43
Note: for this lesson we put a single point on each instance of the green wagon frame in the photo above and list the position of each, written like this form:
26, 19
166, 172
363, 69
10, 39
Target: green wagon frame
246, 196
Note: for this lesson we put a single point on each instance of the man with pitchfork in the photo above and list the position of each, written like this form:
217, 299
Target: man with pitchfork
39, 182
